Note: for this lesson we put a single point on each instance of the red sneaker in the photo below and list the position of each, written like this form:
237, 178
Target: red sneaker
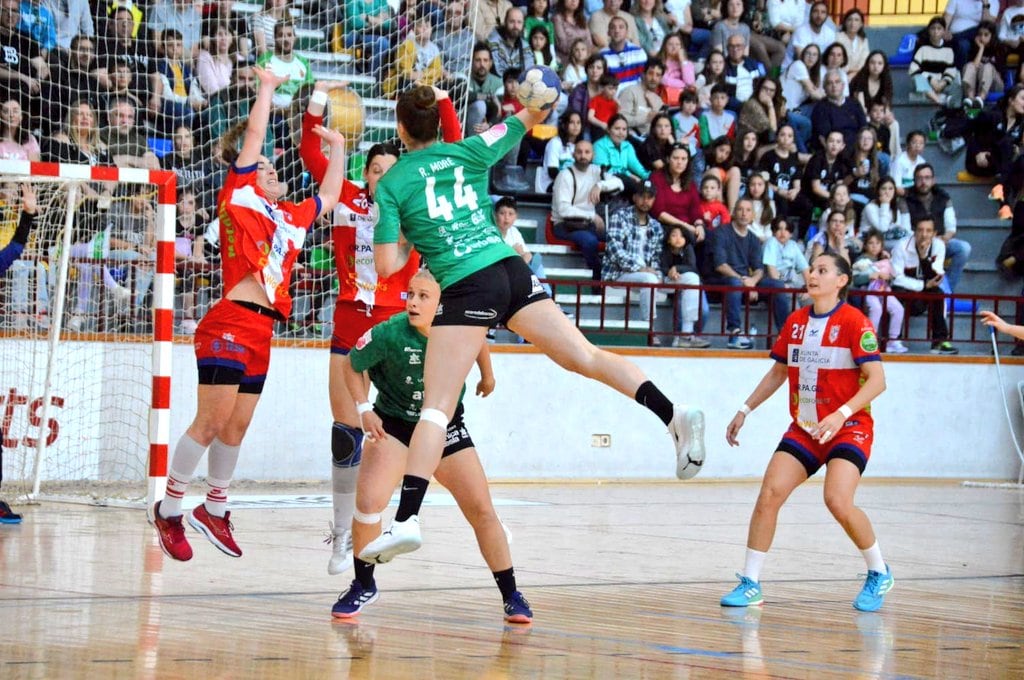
171, 533
216, 529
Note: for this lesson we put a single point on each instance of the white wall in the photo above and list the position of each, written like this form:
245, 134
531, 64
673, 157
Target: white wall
935, 419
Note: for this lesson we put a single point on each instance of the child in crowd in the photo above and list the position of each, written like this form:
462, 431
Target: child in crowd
543, 50
982, 72
712, 210
679, 265
782, 257
505, 215
905, 164
686, 124
603, 106
933, 68
717, 121
873, 270
576, 70
840, 202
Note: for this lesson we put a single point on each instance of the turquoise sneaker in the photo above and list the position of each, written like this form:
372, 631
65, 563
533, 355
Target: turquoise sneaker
873, 593
746, 594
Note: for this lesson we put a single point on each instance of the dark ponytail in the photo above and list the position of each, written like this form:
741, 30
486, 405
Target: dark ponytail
418, 113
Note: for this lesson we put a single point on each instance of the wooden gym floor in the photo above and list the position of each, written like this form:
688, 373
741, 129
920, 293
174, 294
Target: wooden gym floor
624, 580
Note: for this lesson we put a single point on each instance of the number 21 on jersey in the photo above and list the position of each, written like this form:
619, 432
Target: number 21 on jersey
798, 332
441, 207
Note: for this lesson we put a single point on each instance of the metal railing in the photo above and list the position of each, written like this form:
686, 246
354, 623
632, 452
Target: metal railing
614, 317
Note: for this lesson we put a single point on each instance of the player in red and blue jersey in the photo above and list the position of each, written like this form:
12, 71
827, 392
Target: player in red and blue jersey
260, 237
828, 353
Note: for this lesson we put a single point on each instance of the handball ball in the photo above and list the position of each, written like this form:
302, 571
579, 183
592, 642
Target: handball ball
539, 88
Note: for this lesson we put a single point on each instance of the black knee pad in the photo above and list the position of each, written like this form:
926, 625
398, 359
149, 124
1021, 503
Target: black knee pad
346, 445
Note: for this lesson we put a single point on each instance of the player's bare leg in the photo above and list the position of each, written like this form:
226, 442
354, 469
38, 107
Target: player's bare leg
380, 471
462, 474
841, 483
451, 353
784, 474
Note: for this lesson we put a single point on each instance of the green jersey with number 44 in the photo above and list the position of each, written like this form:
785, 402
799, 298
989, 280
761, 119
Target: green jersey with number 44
438, 197
393, 352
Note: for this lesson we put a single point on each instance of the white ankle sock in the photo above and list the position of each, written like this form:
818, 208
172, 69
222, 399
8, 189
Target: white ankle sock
187, 454
873, 556
220, 468
752, 567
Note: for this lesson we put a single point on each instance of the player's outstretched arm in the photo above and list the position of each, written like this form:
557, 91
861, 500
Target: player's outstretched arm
358, 387
330, 187
774, 379
993, 321
259, 116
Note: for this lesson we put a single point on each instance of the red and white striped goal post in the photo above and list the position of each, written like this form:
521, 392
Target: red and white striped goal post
165, 182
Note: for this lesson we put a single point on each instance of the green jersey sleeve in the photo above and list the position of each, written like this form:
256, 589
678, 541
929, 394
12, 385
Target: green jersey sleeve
484, 150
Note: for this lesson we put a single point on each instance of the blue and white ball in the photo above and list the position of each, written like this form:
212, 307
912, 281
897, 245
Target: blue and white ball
539, 88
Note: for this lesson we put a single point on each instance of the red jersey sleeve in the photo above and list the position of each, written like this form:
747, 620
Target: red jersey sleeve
303, 214
310, 151
451, 128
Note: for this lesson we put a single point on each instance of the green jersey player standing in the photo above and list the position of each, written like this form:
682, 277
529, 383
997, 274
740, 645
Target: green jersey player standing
434, 192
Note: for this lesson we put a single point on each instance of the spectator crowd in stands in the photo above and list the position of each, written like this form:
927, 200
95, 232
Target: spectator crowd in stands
695, 140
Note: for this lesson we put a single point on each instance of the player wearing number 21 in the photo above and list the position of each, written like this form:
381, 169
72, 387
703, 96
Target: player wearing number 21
828, 352
437, 194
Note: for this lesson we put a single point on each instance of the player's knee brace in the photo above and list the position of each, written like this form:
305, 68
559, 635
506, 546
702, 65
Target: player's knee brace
435, 416
366, 518
346, 445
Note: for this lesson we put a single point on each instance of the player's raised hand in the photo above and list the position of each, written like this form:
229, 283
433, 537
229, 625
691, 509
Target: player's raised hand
439, 94
733, 430
329, 135
268, 77
29, 202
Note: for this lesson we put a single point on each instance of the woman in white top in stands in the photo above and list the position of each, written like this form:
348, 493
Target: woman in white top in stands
802, 80
558, 151
852, 36
214, 66
886, 213
16, 142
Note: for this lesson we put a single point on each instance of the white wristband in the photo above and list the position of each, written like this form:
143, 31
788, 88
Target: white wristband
744, 409
318, 97
846, 411
364, 407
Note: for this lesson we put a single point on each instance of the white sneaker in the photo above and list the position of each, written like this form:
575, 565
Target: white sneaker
341, 551
400, 538
75, 323
687, 430
895, 347
189, 326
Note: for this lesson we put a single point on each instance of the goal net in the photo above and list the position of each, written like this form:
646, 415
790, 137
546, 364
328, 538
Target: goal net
87, 326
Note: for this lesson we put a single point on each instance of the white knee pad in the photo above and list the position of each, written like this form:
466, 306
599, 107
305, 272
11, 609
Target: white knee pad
435, 416
365, 518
